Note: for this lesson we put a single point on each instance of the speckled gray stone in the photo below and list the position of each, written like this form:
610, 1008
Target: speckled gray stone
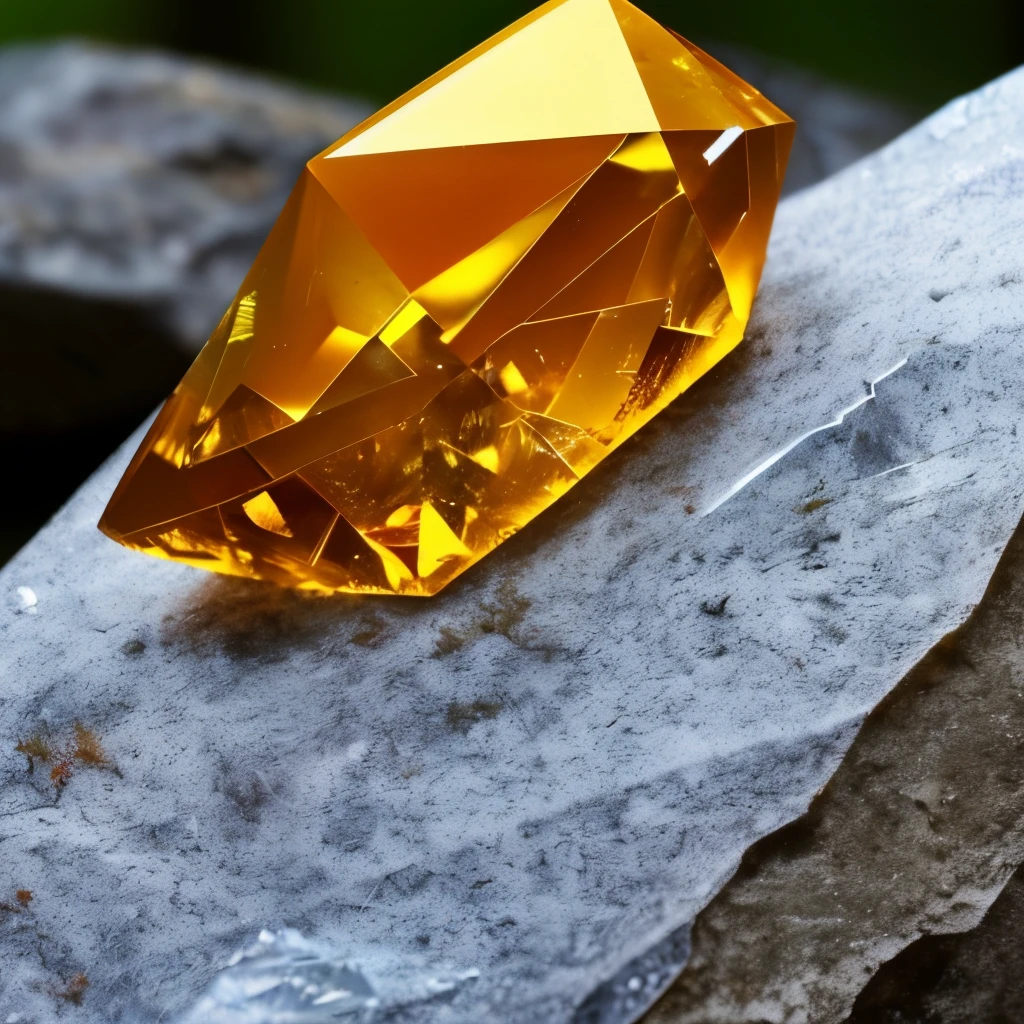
545, 772
914, 835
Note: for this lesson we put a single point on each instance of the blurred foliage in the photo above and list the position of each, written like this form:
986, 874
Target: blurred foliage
912, 51
121, 20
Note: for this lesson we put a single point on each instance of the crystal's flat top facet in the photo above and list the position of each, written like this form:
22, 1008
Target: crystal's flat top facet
467, 303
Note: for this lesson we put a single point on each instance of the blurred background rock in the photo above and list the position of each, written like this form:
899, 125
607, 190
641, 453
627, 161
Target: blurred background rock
135, 186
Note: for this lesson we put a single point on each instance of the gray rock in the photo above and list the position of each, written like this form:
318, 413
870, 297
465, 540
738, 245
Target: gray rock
974, 977
135, 190
283, 977
554, 765
914, 835
147, 178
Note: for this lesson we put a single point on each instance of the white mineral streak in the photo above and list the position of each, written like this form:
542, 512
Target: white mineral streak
543, 792
284, 977
838, 421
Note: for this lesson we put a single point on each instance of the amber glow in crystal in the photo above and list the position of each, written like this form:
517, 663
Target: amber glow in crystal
467, 303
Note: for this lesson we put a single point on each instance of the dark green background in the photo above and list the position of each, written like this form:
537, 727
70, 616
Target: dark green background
921, 52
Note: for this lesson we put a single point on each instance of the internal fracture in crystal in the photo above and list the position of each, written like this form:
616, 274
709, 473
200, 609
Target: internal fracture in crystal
467, 303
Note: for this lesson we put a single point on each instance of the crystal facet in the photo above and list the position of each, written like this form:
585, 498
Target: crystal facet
467, 303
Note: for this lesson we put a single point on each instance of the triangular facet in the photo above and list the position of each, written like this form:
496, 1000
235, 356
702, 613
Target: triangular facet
452, 297
291, 510
316, 273
374, 366
540, 355
742, 258
602, 376
580, 452
530, 468
565, 75
439, 76
346, 555
235, 351
160, 492
655, 277
683, 94
743, 96
614, 200
424, 211
716, 182
606, 282
438, 542
241, 419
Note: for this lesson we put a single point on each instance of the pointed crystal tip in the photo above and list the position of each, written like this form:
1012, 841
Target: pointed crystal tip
467, 303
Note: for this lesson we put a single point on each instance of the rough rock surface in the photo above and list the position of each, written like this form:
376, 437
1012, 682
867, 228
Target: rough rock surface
914, 835
974, 977
543, 774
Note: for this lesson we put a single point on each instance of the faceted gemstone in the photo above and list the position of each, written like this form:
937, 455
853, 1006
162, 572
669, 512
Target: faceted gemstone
467, 303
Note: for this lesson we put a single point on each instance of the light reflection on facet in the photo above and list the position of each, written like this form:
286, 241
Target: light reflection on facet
457, 316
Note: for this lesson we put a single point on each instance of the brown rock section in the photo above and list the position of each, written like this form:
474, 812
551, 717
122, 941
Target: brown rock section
976, 977
915, 834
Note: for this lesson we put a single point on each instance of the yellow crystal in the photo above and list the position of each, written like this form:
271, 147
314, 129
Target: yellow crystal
467, 303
